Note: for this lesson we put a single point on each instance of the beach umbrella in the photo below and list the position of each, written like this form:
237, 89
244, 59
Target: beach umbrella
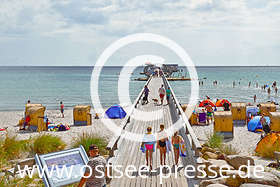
206, 102
221, 102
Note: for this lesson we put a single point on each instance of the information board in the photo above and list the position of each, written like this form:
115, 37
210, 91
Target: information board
63, 167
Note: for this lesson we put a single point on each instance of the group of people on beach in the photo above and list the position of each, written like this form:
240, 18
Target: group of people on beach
27, 118
163, 143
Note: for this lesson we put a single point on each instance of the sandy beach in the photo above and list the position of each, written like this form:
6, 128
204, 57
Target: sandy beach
10, 119
244, 141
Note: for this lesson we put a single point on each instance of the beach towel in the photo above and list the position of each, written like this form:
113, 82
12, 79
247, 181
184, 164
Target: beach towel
202, 117
148, 139
182, 148
168, 146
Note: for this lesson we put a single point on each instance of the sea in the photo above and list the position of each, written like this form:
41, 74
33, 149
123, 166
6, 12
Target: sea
51, 84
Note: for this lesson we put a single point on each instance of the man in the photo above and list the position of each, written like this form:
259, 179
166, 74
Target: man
96, 161
146, 94
168, 94
161, 92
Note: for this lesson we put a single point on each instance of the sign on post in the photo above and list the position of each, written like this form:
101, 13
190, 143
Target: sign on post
63, 167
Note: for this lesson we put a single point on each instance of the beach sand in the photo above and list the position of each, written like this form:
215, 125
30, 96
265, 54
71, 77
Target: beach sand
10, 119
244, 141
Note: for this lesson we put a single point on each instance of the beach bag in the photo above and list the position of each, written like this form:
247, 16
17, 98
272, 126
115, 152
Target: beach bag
168, 146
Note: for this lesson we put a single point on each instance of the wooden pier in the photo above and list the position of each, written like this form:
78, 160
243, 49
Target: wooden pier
125, 152
168, 78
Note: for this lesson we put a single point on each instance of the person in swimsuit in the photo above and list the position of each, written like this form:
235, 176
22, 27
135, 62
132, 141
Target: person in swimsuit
149, 143
209, 110
168, 94
161, 144
62, 109
176, 139
161, 92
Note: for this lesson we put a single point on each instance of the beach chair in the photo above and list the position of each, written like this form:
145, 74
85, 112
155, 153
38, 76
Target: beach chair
202, 118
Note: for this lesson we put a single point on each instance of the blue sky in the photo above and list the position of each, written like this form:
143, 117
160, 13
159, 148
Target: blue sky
75, 32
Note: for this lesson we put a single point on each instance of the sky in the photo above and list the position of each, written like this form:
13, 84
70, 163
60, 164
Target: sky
76, 32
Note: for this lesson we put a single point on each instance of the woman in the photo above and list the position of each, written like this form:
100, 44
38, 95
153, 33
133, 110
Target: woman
161, 144
176, 140
148, 145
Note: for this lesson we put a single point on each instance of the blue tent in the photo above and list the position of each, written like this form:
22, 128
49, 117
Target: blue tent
253, 110
255, 123
115, 112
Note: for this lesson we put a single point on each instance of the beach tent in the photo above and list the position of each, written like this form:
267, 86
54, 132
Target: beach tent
116, 112
255, 125
206, 102
269, 144
253, 110
221, 102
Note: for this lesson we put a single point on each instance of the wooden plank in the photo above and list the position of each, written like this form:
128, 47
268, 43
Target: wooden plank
129, 152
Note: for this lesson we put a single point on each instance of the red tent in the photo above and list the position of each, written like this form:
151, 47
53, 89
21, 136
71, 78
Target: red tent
221, 102
206, 102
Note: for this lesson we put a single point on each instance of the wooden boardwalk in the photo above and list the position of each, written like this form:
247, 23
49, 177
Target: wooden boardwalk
125, 152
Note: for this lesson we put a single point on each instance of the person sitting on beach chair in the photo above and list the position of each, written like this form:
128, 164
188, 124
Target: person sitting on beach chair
265, 126
26, 122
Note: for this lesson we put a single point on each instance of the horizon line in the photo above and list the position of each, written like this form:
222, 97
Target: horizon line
132, 66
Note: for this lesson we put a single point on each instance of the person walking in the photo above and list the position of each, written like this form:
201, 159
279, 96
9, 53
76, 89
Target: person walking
161, 92
168, 94
161, 144
255, 98
176, 140
146, 95
93, 178
148, 145
62, 109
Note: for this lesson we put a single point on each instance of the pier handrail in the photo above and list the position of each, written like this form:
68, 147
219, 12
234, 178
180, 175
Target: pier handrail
113, 144
196, 146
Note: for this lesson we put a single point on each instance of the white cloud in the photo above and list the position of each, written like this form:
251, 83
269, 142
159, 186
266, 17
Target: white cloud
99, 22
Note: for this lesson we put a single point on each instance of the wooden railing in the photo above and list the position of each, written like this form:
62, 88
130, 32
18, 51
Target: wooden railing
113, 144
196, 146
